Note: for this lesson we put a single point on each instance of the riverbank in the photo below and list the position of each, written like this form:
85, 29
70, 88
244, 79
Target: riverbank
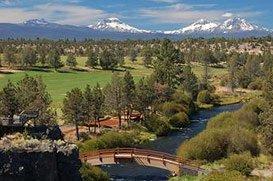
168, 144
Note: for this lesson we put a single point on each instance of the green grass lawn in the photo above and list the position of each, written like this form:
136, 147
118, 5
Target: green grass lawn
59, 83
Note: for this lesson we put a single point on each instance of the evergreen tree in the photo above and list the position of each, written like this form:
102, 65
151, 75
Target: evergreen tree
114, 99
232, 69
145, 96
9, 57
33, 97
165, 67
147, 55
98, 102
188, 80
73, 109
107, 60
133, 54
71, 61
54, 59
8, 100
28, 57
92, 60
128, 92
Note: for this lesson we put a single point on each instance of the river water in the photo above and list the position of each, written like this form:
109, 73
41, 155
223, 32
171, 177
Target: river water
168, 144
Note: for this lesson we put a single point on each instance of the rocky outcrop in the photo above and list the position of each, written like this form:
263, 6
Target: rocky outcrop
29, 159
39, 132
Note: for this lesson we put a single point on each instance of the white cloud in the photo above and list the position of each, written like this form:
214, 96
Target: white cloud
8, 2
227, 15
187, 13
59, 13
180, 13
165, 1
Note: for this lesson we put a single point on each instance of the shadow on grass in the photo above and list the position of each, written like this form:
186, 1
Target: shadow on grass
128, 67
79, 69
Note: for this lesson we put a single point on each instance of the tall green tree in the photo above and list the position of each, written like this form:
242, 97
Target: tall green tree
33, 97
107, 60
9, 103
128, 92
28, 57
145, 96
165, 64
133, 54
114, 99
9, 57
92, 60
147, 55
98, 102
54, 59
71, 61
119, 53
73, 108
187, 80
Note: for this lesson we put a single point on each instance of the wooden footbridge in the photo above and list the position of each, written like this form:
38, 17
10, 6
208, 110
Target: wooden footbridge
142, 157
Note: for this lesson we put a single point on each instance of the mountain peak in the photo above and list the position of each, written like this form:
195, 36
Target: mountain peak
201, 25
115, 24
36, 22
237, 24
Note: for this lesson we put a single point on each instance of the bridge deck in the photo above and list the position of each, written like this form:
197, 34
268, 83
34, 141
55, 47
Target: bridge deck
142, 157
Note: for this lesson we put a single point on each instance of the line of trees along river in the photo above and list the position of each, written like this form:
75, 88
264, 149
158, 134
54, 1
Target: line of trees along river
168, 144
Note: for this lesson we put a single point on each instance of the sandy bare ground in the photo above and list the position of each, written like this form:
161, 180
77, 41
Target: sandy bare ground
264, 173
5, 70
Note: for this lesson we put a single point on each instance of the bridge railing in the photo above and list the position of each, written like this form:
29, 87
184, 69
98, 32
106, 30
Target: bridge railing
141, 152
135, 151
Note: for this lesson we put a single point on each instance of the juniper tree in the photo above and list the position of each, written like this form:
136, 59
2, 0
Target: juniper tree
92, 60
71, 61
54, 59
9, 103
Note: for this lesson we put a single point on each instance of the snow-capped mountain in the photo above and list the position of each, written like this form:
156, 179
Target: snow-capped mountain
201, 25
35, 22
237, 24
232, 25
114, 24
113, 28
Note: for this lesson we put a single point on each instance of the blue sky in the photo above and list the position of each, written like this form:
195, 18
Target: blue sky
145, 14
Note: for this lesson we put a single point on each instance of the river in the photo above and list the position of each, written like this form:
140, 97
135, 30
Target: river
168, 144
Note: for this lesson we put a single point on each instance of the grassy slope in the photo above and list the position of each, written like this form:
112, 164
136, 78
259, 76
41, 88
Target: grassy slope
59, 83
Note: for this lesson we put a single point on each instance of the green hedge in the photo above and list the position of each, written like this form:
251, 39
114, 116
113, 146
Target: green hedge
224, 176
179, 120
158, 125
242, 163
91, 173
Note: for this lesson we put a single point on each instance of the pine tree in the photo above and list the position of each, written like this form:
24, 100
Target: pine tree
114, 97
164, 66
98, 102
147, 55
128, 92
73, 108
33, 97
9, 103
